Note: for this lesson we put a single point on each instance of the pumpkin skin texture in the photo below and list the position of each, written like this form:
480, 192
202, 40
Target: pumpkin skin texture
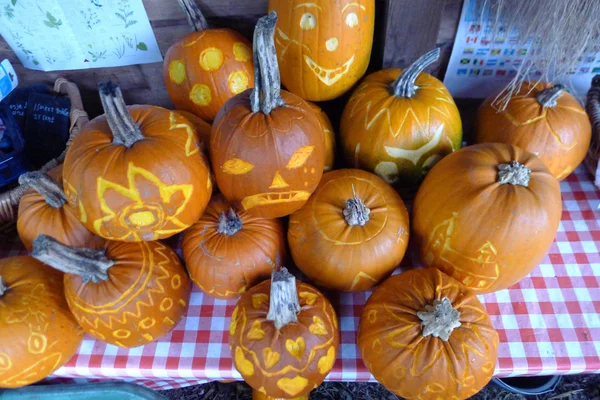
341, 256
485, 234
201, 127
150, 189
394, 349
323, 47
287, 362
36, 215
39, 332
256, 395
559, 134
399, 138
328, 135
224, 261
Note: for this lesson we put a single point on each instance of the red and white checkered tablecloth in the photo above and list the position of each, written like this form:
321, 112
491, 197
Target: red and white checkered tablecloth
549, 323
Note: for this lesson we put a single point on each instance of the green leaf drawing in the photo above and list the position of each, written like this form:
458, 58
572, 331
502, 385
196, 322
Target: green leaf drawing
35, 62
142, 46
14, 2
52, 22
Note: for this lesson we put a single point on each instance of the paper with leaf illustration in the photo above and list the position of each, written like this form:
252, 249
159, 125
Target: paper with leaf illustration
50, 35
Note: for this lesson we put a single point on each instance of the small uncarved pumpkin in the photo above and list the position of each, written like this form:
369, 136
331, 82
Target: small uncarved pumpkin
44, 209
256, 395
283, 337
136, 173
352, 232
267, 144
128, 294
487, 215
39, 333
398, 124
542, 119
425, 336
328, 135
228, 252
205, 68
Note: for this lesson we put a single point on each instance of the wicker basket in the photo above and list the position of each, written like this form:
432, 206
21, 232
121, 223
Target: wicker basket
593, 109
9, 200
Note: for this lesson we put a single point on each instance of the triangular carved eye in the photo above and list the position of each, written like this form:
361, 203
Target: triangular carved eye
235, 166
300, 157
278, 182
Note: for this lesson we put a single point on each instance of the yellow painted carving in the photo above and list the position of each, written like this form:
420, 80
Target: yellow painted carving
142, 218
148, 337
237, 82
376, 346
262, 390
121, 333
435, 388
356, 153
360, 276
326, 75
296, 348
177, 71
372, 316
191, 147
308, 21
309, 298
326, 362
278, 182
201, 94
259, 299
235, 166
147, 323
353, 4
292, 386
5, 362
300, 157
166, 304
318, 327
176, 282
415, 155
388, 171
211, 59
37, 342
274, 198
256, 332
21, 378
352, 20
243, 365
242, 52
168, 321
332, 44
270, 357
233, 324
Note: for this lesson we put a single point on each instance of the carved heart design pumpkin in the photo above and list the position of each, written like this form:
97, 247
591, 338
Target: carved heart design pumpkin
487, 215
283, 336
425, 336
136, 173
542, 119
338, 237
256, 395
328, 135
207, 67
201, 127
267, 145
398, 124
228, 251
44, 209
127, 294
323, 47
39, 332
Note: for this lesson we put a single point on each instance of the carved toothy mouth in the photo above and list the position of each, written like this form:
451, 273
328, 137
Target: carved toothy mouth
274, 198
328, 76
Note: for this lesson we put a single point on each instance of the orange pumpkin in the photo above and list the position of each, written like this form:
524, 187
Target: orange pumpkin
352, 232
542, 119
323, 47
228, 252
267, 145
207, 67
44, 209
39, 333
201, 127
487, 215
283, 336
398, 124
128, 294
425, 336
136, 173
328, 135
256, 395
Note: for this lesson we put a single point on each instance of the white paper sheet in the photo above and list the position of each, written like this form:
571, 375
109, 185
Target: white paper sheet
51, 35
481, 65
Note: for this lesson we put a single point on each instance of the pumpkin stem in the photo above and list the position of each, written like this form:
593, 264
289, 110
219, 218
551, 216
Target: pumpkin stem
514, 173
283, 304
266, 95
124, 129
230, 223
3, 288
194, 15
356, 213
89, 264
439, 319
548, 97
404, 86
46, 186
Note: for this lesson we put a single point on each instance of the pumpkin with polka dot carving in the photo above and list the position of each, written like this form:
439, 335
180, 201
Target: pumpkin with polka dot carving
207, 67
425, 336
267, 145
283, 336
39, 333
323, 46
127, 294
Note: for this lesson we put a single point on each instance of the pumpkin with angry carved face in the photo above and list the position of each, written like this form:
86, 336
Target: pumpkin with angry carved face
323, 47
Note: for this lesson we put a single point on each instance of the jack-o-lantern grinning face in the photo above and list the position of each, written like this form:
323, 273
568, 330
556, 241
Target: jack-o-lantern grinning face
323, 47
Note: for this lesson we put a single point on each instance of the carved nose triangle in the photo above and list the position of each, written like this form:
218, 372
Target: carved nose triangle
278, 182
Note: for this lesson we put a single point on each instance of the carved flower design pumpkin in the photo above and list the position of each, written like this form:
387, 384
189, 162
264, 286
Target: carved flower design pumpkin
136, 173
266, 146
352, 232
487, 215
229, 251
207, 67
425, 336
542, 119
323, 47
127, 294
398, 124
328, 135
283, 336
39, 332
44, 209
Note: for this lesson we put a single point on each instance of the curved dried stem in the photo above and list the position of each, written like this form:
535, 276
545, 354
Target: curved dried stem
124, 129
46, 186
193, 15
283, 304
405, 86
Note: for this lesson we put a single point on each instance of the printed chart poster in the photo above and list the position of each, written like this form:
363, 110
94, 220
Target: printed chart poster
50, 35
481, 65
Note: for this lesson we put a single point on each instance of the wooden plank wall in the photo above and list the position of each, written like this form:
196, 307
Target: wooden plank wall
405, 29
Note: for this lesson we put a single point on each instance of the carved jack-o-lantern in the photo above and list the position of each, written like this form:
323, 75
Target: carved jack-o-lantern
323, 47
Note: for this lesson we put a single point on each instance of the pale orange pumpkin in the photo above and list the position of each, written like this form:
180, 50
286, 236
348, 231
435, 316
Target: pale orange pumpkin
328, 135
